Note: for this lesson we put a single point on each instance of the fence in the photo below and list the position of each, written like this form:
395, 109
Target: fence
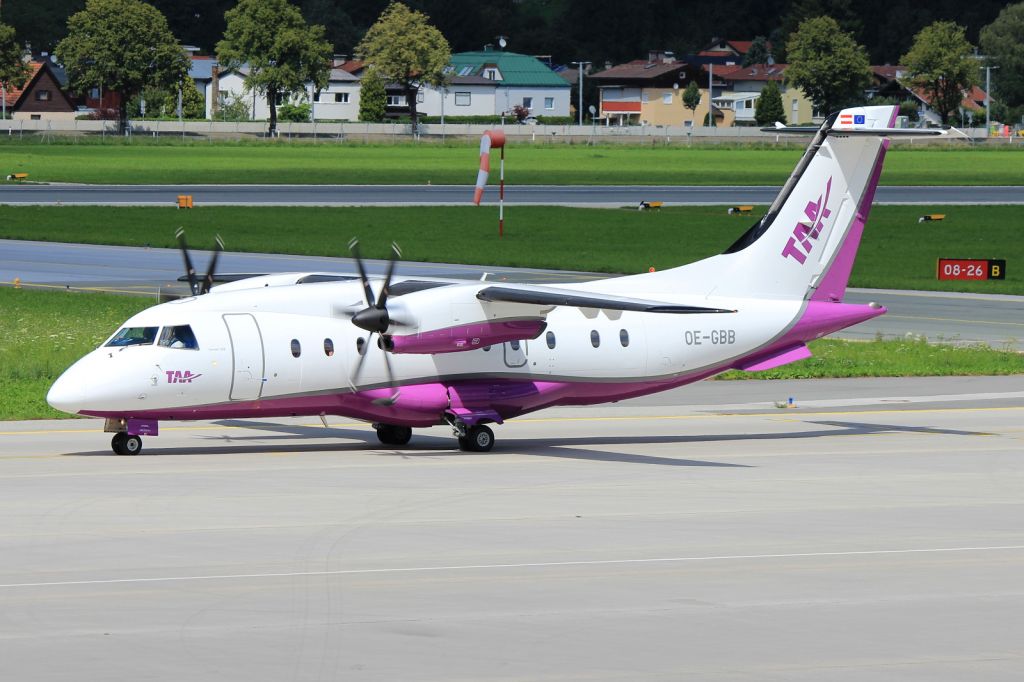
402, 132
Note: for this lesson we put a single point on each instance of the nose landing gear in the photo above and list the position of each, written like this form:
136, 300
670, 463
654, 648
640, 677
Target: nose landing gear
478, 438
124, 444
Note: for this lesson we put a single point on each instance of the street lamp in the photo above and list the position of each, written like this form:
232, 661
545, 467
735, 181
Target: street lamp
580, 66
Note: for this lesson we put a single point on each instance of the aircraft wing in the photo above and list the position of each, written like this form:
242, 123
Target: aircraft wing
549, 296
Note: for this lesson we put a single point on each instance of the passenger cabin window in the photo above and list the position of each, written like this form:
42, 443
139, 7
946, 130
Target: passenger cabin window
134, 336
180, 336
328, 347
514, 345
595, 338
624, 338
296, 348
550, 338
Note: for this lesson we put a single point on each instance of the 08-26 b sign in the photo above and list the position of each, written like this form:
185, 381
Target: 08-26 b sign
966, 268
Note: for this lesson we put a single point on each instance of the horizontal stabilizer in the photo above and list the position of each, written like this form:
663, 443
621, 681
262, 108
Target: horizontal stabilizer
555, 297
865, 132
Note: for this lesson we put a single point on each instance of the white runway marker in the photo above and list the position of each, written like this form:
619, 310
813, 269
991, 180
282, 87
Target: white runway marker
542, 564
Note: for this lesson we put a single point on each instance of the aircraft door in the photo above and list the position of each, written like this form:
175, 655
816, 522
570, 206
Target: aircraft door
247, 356
515, 353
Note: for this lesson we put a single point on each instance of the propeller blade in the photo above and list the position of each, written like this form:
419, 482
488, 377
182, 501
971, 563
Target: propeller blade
396, 253
395, 392
190, 271
353, 247
208, 280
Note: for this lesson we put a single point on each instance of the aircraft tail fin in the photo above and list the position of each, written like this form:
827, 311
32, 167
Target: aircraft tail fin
804, 246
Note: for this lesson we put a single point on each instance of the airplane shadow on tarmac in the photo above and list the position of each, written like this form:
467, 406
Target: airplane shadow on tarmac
422, 446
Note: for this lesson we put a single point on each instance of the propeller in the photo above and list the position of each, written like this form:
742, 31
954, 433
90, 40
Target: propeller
375, 319
197, 286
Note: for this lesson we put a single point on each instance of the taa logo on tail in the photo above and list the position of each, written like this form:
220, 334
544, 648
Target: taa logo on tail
805, 234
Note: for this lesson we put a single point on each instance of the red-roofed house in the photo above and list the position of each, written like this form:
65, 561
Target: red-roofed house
729, 48
42, 97
743, 85
646, 90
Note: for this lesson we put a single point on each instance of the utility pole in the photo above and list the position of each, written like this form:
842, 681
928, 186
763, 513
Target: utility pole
580, 67
988, 96
711, 96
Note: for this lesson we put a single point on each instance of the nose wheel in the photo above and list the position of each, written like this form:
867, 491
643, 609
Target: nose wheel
124, 444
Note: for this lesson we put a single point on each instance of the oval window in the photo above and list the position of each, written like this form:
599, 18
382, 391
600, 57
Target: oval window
360, 345
595, 338
514, 345
296, 348
486, 348
623, 337
550, 337
328, 347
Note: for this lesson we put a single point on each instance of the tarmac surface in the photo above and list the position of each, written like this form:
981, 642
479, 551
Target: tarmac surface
873, 532
370, 195
960, 318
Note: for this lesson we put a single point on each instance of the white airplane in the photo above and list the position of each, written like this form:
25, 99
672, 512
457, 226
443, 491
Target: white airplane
421, 352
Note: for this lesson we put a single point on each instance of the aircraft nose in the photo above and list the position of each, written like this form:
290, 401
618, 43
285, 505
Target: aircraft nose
66, 394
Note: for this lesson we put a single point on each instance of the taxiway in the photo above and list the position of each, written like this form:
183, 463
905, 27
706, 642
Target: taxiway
874, 532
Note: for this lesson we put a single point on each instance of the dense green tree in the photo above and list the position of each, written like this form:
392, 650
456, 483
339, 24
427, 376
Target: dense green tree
769, 107
196, 22
341, 33
41, 23
13, 69
373, 98
941, 63
405, 49
827, 64
282, 52
163, 102
758, 52
691, 98
122, 46
1003, 42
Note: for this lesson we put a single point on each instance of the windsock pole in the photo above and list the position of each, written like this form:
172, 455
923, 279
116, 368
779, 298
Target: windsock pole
490, 139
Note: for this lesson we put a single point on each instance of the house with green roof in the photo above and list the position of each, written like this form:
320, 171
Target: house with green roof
492, 82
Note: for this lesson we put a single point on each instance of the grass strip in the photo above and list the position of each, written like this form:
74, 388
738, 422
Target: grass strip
897, 252
527, 164
44, 332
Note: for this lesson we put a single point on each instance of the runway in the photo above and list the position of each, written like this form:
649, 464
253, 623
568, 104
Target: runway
371, 195
874, 532
962, 318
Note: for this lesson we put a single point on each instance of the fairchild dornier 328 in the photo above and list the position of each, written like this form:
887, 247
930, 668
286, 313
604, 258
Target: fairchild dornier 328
405, 353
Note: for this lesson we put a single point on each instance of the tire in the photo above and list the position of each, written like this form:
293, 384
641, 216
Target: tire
389, 434
124, 444
479, 438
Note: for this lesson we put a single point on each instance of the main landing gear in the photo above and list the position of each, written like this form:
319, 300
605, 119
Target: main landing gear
390, 434
124, 444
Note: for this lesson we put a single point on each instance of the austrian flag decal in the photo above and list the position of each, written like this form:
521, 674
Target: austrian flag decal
805, 234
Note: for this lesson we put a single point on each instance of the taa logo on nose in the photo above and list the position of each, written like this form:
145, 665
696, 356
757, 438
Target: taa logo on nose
175, 376
805, 234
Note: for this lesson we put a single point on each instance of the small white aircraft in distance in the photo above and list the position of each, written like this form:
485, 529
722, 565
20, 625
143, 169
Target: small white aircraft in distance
405, 353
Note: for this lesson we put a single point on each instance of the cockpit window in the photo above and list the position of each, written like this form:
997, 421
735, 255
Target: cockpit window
134, 336
180, 336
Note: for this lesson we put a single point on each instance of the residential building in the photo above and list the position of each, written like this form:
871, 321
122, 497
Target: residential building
519, 80
42, 97
647, 91
742, 87
733, 50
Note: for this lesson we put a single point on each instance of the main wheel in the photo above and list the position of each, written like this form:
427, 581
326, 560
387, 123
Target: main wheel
124, 444
478, 438
390, 434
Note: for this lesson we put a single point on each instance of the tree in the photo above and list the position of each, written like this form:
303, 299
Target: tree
403, 48
163, 103
13, 69
759, 53
373, 98
691, 98
1003, 42
123, 46
769, 107
827, 64
941, 63
800, 11
281, 51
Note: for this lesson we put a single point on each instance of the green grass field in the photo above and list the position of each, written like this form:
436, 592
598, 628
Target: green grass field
897, 252
44, 332
331, 163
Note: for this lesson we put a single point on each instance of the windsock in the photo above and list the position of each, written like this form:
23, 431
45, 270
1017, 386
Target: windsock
491, 138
